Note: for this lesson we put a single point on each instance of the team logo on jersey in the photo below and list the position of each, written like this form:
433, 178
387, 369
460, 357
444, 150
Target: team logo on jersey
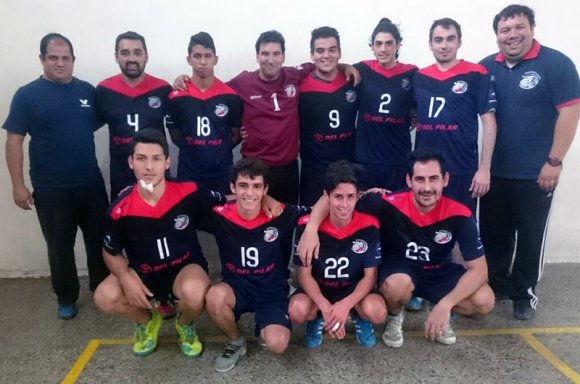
350, 96
230, 267
84, 103
145, 268
154, 102
442, 237
181, 222
359, 246
290, 90
406, 83
529, 80
221, 110
270, 234
459, 87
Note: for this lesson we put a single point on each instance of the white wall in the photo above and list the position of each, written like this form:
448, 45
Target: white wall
167, 25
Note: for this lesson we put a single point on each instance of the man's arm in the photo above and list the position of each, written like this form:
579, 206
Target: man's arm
136, 292
15, 161
309, 242
311, 288
341, 309
471, 281
482, 178
351, 73
564, 132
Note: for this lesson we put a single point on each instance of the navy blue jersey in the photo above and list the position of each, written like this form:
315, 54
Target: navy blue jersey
204, 121
448, 103
344, 253
160, 237
384, 115
327, 113
529, 96
127, 110
252, 252
423, 239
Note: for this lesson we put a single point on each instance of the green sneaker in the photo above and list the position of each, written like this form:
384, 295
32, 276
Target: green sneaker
146, 335
188, 340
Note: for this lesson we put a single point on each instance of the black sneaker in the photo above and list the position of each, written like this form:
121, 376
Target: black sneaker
523, 310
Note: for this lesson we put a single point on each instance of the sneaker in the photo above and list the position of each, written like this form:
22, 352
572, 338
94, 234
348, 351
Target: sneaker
448, 337
67, 312
165, 308
188, 340
365, 334
523, 310
146, 335
261, 342
414, 304
227, 360
313, 333
393, 334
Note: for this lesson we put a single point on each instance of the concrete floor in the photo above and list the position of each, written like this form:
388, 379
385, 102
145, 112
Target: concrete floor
37, 347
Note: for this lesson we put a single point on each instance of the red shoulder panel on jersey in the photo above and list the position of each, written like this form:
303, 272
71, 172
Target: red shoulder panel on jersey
359, 221
398, 69
230, 212
218, 88
133, 205
311, 84
461, 68
148, 84
444, 209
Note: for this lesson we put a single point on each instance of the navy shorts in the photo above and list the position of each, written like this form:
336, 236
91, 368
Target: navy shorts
458, 190
161, 283
332, 296
271, 308
391, 177
431, 282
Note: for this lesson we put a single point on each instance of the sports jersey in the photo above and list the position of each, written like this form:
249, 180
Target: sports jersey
127, 110
161, 237
60, 119
271, 114
344, 253
422, 239
252, 252
529, 96
448, 103
384, 115
327, 113
205, 120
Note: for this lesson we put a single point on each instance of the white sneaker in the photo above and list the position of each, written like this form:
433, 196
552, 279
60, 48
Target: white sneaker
448, 337
393, 334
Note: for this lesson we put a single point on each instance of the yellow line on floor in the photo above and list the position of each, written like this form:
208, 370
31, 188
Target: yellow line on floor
551, 357
81, 362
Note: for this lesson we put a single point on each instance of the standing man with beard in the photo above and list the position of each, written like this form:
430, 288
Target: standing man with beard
129, 102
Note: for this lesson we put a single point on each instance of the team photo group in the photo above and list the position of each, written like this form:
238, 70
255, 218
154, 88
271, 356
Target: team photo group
363, 191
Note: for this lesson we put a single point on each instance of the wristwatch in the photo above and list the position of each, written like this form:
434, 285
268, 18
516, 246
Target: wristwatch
554, 161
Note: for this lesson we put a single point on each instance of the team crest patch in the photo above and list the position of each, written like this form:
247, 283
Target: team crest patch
442, 237
290, 90
459, 87
406, 83
221, 110
270, 234
181, 222
154, 102
350, 96
359, 246
529, 80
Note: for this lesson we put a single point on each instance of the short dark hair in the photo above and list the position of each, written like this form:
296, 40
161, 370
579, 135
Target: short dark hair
323, 33
130, 35
423, 155
339, 172
271, 37
201, 38
251, 167
512, 11
54, 36
150, 136
446, 23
